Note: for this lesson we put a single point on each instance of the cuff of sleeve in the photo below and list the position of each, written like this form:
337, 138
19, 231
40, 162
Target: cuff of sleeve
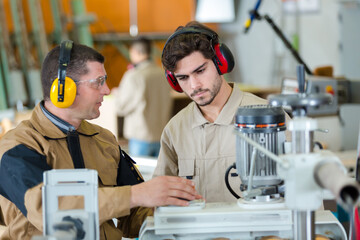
114, 202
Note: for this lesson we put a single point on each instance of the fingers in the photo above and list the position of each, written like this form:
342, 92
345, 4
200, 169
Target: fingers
181, 201
182, 195
198, 196
183, 187
179, 179
164, 190
180, 191
177, 202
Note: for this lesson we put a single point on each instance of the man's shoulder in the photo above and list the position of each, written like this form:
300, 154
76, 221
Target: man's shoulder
245, 97
98, 131
252, 95
252, 99
148, 67
129, 73
141, 72
24, 134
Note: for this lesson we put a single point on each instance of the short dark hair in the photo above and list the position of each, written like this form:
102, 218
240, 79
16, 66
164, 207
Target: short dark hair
80, 55
183, 45
142, 45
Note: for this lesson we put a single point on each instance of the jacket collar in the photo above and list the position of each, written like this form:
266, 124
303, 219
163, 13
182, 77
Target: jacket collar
226, 115
54, 127
64, 126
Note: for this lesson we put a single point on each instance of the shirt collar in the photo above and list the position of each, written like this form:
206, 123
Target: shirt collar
226, 115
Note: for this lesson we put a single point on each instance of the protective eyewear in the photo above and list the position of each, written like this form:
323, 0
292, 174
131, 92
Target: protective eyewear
95, 83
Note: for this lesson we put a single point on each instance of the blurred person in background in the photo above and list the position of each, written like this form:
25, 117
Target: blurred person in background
144, 100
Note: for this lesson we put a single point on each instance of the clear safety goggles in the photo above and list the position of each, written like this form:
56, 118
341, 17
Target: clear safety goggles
94, 83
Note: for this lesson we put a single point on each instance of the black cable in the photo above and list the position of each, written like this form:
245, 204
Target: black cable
357, 171
319, 145
287, 43
227, 181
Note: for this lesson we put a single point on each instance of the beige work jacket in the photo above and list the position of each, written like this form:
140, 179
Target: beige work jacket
47, 143
195, 148
143, 98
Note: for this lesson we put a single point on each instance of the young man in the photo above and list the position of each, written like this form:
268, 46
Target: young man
199, 142
144, 101
58, 137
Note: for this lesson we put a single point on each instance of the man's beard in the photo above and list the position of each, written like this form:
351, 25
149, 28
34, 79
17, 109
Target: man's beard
213, 93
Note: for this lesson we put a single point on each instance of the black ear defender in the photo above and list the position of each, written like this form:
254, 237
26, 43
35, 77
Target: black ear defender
223, 59
63, 88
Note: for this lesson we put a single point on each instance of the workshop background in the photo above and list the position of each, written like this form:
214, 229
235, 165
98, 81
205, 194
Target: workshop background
324, 32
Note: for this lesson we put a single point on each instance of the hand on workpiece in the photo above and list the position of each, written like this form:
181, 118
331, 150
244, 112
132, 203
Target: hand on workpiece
163, 190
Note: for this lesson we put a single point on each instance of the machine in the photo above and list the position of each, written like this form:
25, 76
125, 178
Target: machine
282, 186
264, 125
339, 88
70, 224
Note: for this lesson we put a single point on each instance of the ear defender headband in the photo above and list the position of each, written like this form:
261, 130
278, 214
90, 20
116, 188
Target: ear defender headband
63, 88
223, 59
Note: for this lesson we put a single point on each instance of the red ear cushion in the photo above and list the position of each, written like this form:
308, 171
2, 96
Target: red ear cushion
172, 81
225, 60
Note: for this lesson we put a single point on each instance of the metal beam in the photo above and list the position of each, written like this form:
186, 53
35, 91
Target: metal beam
38, 29
59, 32
81, 21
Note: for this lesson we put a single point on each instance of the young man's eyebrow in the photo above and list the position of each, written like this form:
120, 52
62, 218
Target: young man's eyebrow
195, 70
201, 66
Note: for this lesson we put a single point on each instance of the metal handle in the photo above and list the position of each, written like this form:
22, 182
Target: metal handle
300, 71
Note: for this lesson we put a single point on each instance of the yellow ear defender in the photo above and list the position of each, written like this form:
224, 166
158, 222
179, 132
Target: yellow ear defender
67, 91
63, 89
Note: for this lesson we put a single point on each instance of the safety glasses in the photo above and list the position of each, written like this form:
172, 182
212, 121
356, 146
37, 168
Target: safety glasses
94, 83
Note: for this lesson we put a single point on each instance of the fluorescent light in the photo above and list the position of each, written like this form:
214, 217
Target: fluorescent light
215, 11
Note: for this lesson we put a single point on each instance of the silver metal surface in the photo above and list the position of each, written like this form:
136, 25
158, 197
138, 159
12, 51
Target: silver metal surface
304, 225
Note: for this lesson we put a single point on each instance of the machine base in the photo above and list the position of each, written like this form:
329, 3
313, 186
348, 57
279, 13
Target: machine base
228, 220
